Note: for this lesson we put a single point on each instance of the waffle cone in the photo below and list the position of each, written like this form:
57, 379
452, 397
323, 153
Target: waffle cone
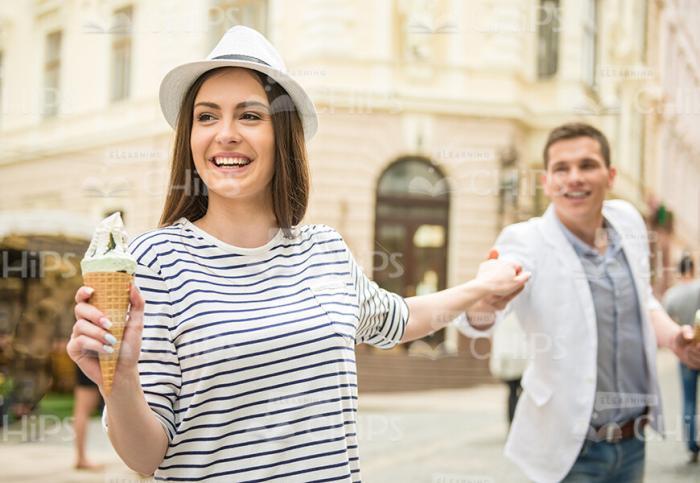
111, 297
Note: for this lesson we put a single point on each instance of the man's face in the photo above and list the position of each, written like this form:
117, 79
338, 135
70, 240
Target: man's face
577, 179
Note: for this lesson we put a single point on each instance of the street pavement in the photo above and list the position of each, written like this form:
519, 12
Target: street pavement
446, 436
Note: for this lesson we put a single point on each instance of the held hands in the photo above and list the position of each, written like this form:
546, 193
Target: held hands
504, 281
501, 279
686, 348
90, 337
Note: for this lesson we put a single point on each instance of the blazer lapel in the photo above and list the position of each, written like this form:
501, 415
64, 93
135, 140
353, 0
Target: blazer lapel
570, 263
637, 277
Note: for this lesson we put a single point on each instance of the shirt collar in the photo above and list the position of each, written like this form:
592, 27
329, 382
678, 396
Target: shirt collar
583, 248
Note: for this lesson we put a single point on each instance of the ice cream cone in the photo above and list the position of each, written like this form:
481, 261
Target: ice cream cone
108, 267
111, 297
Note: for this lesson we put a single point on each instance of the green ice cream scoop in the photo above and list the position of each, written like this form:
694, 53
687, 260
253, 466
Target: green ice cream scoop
108, 250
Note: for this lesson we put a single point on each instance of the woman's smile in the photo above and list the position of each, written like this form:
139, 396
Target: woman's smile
230, 162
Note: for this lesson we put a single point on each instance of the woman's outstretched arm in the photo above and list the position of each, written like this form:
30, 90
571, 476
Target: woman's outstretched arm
428, 313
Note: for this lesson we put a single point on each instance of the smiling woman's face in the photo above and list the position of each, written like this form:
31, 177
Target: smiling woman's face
232, 139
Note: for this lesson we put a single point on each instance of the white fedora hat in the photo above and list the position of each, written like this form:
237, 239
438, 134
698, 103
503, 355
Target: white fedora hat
239, 47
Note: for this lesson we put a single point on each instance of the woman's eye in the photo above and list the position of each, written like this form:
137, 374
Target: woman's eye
205, 117
251, 116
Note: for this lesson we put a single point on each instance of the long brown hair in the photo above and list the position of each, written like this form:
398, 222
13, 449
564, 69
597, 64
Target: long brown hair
187, 194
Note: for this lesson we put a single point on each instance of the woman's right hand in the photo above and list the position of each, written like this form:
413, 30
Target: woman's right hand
89, 335
501, 278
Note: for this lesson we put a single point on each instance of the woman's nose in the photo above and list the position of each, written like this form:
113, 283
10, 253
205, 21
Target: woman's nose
228, 133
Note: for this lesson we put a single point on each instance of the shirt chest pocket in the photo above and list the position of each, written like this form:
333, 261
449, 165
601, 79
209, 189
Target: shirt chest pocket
337, 300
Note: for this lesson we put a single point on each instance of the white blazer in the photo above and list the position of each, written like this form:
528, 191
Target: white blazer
557, 314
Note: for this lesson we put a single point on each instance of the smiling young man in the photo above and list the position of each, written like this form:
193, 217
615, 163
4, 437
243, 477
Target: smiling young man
594, 325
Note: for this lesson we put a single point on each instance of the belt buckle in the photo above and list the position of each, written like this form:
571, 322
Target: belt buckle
613, 433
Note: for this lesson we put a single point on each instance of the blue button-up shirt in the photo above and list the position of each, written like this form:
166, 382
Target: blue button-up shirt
622, 383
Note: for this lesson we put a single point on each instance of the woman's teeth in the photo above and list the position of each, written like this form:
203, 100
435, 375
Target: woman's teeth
576, 194
231, 161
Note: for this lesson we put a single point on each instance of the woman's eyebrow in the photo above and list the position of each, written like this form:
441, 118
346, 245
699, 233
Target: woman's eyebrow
244, 104
240, 105
208, 104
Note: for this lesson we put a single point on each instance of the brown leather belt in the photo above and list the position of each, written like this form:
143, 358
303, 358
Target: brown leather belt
614, 433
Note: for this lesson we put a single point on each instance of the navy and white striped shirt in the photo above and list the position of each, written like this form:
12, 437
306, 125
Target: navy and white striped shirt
248, 355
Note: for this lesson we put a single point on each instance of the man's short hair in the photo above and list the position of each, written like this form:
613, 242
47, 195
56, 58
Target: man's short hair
575, 130
686, 265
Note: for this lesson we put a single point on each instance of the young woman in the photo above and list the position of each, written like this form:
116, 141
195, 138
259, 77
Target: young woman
248, 322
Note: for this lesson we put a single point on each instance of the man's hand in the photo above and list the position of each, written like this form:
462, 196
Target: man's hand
686, 348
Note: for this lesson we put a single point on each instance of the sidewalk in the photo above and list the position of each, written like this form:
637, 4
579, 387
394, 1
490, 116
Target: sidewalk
445, 436
458, 436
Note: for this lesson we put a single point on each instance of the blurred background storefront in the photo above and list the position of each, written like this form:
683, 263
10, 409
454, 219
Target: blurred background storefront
432, 118
41, 252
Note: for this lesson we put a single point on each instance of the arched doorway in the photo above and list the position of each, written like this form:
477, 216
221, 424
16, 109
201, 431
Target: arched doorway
411, 230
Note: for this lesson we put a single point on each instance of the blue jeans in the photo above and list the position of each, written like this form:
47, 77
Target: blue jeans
604, 462
689, 378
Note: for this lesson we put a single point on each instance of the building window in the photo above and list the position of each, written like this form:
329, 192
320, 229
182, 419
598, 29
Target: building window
224, 14
411, 230
590, 41
121, 54
52, 74
548, 38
